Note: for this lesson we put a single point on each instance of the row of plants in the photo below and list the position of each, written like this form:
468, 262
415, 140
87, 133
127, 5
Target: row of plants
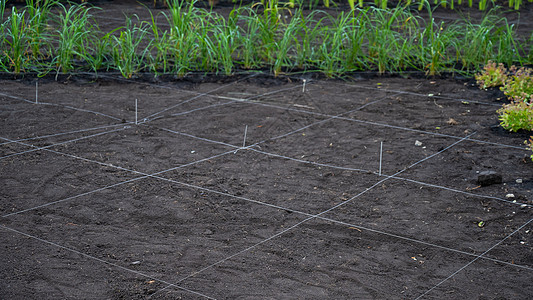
517, 85
32, 39
313, 4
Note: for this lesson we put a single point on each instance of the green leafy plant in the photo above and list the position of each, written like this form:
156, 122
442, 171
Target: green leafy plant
16, 40
519, 86
74, 29
493, 75
38, 16
516, 116
128, 55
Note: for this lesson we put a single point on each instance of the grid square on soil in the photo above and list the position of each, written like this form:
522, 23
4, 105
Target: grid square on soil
42, 119
143, 149
485, 280
8, 149
59, 178
228, 123
419, 216
159, 228
458, 167
274, 181
347, 144
309, 98
521, 240
342, 263
73, 274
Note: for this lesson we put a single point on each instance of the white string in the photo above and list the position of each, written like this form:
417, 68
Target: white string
154, 175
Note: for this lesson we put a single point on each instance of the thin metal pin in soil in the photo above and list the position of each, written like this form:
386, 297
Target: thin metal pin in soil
380, 157
37, 92
244, 140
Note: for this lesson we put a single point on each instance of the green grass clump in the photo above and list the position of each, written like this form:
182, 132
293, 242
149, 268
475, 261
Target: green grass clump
72, 35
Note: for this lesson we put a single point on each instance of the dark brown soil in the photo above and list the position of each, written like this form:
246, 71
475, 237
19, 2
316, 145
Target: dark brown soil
249, 187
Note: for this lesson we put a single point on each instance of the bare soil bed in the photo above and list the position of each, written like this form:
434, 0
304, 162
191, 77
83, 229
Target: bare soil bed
253, 187
182, 204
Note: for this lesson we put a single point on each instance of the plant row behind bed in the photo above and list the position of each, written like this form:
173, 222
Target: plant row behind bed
313, 4
53, 37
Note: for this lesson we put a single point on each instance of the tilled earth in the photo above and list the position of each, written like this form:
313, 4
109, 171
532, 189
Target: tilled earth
256, 188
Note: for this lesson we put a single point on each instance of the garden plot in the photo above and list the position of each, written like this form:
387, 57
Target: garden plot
461, 166
143, 149
158, 228
83, 94
53, 272
299, 188
238, 123
46, 119
330, 261
39, 178
254, 190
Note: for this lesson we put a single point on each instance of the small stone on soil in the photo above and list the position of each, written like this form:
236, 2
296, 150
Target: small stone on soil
487, 178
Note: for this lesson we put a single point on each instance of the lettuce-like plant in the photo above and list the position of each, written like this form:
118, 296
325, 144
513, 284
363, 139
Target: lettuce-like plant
516, 116
493, 75
519, 86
